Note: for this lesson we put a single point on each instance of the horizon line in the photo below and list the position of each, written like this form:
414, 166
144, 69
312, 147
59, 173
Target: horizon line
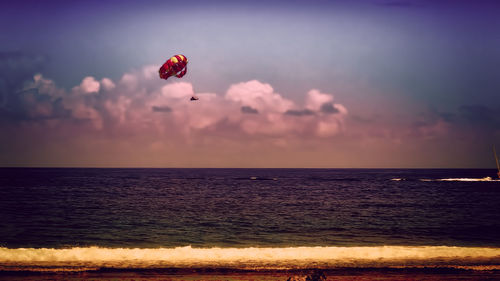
311, 168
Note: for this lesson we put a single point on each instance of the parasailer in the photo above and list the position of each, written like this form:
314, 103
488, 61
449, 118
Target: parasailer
174, 66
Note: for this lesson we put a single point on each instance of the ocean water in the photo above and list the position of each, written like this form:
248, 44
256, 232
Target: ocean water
88, 219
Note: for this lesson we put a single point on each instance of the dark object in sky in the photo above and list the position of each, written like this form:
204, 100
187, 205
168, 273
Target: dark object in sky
174, 66
195, 98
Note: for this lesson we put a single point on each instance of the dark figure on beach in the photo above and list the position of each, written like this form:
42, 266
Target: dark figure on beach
315, 276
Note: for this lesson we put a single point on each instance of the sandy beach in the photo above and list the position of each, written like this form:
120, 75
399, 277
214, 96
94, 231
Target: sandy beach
221, 274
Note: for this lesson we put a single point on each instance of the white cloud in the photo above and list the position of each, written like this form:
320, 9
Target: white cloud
258, 95
315, 99
107, 84
88, 85
178, 90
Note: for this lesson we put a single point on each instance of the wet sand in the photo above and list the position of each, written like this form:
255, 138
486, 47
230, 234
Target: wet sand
230, 275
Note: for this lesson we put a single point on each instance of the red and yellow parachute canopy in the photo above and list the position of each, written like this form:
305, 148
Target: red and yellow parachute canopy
174, 66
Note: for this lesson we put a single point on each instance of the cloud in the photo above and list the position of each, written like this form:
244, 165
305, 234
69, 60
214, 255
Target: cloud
165, 109
145, 117
260, 96
131, 106
468, 118
179, 90
467, 123
90, 85
329, 108
315, 99
15, 70
304, 112
107, 84
140, 104
249, 110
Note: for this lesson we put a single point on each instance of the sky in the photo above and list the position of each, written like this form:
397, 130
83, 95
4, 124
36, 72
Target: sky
304, 84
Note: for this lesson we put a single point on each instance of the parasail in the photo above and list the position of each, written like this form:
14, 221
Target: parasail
174, 66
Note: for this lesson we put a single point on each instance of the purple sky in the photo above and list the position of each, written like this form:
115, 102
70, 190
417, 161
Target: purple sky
286, 84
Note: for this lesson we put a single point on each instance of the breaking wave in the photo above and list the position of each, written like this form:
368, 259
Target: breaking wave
90, 258
489, 179
486, 179
469, 179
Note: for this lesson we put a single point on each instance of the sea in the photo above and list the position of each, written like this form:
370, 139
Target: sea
86, 219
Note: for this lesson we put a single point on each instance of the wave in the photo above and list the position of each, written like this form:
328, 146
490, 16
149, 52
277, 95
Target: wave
469, 179
461, 179
487, 179
87, 258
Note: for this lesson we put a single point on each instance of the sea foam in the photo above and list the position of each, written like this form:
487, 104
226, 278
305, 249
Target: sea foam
251, 258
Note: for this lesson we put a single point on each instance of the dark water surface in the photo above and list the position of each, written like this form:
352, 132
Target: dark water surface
148, 208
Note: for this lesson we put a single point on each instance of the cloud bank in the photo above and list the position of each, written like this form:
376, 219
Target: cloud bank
140, 103
140, 120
